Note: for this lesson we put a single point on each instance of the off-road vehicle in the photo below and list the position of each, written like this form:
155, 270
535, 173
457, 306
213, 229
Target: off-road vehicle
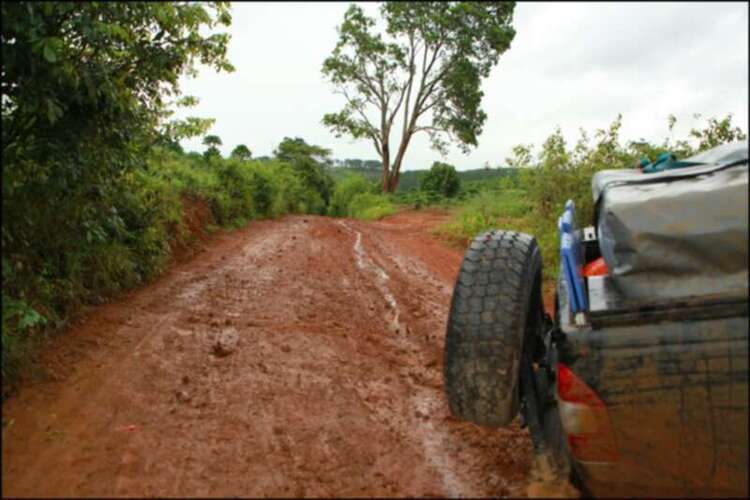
638, 384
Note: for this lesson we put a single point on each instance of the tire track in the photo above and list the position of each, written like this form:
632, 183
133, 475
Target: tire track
423, 402
333, 388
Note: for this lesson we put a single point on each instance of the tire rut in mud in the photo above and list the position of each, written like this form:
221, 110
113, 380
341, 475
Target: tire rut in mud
333, 387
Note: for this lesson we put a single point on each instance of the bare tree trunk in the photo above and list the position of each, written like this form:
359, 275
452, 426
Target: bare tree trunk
386, 157
391, 182
395, 172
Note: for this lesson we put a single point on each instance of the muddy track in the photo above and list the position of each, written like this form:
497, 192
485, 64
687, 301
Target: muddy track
296, 357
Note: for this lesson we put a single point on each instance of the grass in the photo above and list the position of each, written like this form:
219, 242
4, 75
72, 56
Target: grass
369, 206
502, 209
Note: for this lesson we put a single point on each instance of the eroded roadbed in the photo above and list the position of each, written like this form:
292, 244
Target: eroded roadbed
296, 357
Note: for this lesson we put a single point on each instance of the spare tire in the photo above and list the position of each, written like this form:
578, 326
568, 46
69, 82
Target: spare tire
489, 318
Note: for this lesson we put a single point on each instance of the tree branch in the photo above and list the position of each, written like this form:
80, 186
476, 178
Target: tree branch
431, 87
367, 80
430, 129
409, 84
424, 109
370, 128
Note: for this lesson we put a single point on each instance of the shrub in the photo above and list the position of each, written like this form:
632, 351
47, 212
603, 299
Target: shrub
370, 206
442, 179
487, 210
345, 190
291, 194
308, 162
96, 242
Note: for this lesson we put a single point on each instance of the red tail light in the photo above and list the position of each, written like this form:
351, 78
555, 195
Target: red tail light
597, 267
585, 419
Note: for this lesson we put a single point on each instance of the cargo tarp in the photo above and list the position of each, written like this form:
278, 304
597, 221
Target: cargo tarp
678, 233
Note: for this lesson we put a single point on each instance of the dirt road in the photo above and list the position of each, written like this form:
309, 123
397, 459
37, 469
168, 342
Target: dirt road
296, 357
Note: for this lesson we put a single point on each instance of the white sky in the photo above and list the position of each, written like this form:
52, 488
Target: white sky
570, 64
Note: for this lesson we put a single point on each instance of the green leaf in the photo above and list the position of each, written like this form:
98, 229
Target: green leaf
53, 111
49, 53
30, 318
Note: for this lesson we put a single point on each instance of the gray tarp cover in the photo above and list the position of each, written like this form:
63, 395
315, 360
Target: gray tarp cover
678, 233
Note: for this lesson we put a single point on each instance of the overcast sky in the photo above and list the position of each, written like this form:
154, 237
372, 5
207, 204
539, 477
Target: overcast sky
570, 64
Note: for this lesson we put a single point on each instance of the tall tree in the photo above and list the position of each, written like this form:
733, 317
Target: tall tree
308, 161
289, 149
212, 141
241, 152
427, 67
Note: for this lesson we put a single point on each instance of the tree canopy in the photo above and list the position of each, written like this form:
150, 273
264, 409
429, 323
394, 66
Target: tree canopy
427, 66
212, 141
103, 70
241, 152
441, 179
308, 161
87, 88
289, 149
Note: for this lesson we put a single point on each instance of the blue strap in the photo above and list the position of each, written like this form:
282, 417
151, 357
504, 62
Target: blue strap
570, 258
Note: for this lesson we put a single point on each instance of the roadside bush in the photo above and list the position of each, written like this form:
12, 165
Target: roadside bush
291, 194
87, 247
442, 179
370, 206
87, 93
355, 196
308, 162
315, 179
416, 199
487, 210
345, 190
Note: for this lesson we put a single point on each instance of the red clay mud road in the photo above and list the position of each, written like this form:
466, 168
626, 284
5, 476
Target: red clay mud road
296, 357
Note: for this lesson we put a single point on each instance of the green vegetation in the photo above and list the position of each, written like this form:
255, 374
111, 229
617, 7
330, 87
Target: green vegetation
345, 191
409, 179
442, 180
436, 53
86, 97
356, 196
533, 200
212, 141
370, 206
241, 152
97, 193
308, 162
96, 186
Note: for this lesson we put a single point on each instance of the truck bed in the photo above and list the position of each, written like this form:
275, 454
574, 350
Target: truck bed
674, 379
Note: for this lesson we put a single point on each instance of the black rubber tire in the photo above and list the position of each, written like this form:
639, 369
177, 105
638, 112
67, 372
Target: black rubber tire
487, 325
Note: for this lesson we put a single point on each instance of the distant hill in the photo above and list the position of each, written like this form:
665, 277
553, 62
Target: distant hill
410, 178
